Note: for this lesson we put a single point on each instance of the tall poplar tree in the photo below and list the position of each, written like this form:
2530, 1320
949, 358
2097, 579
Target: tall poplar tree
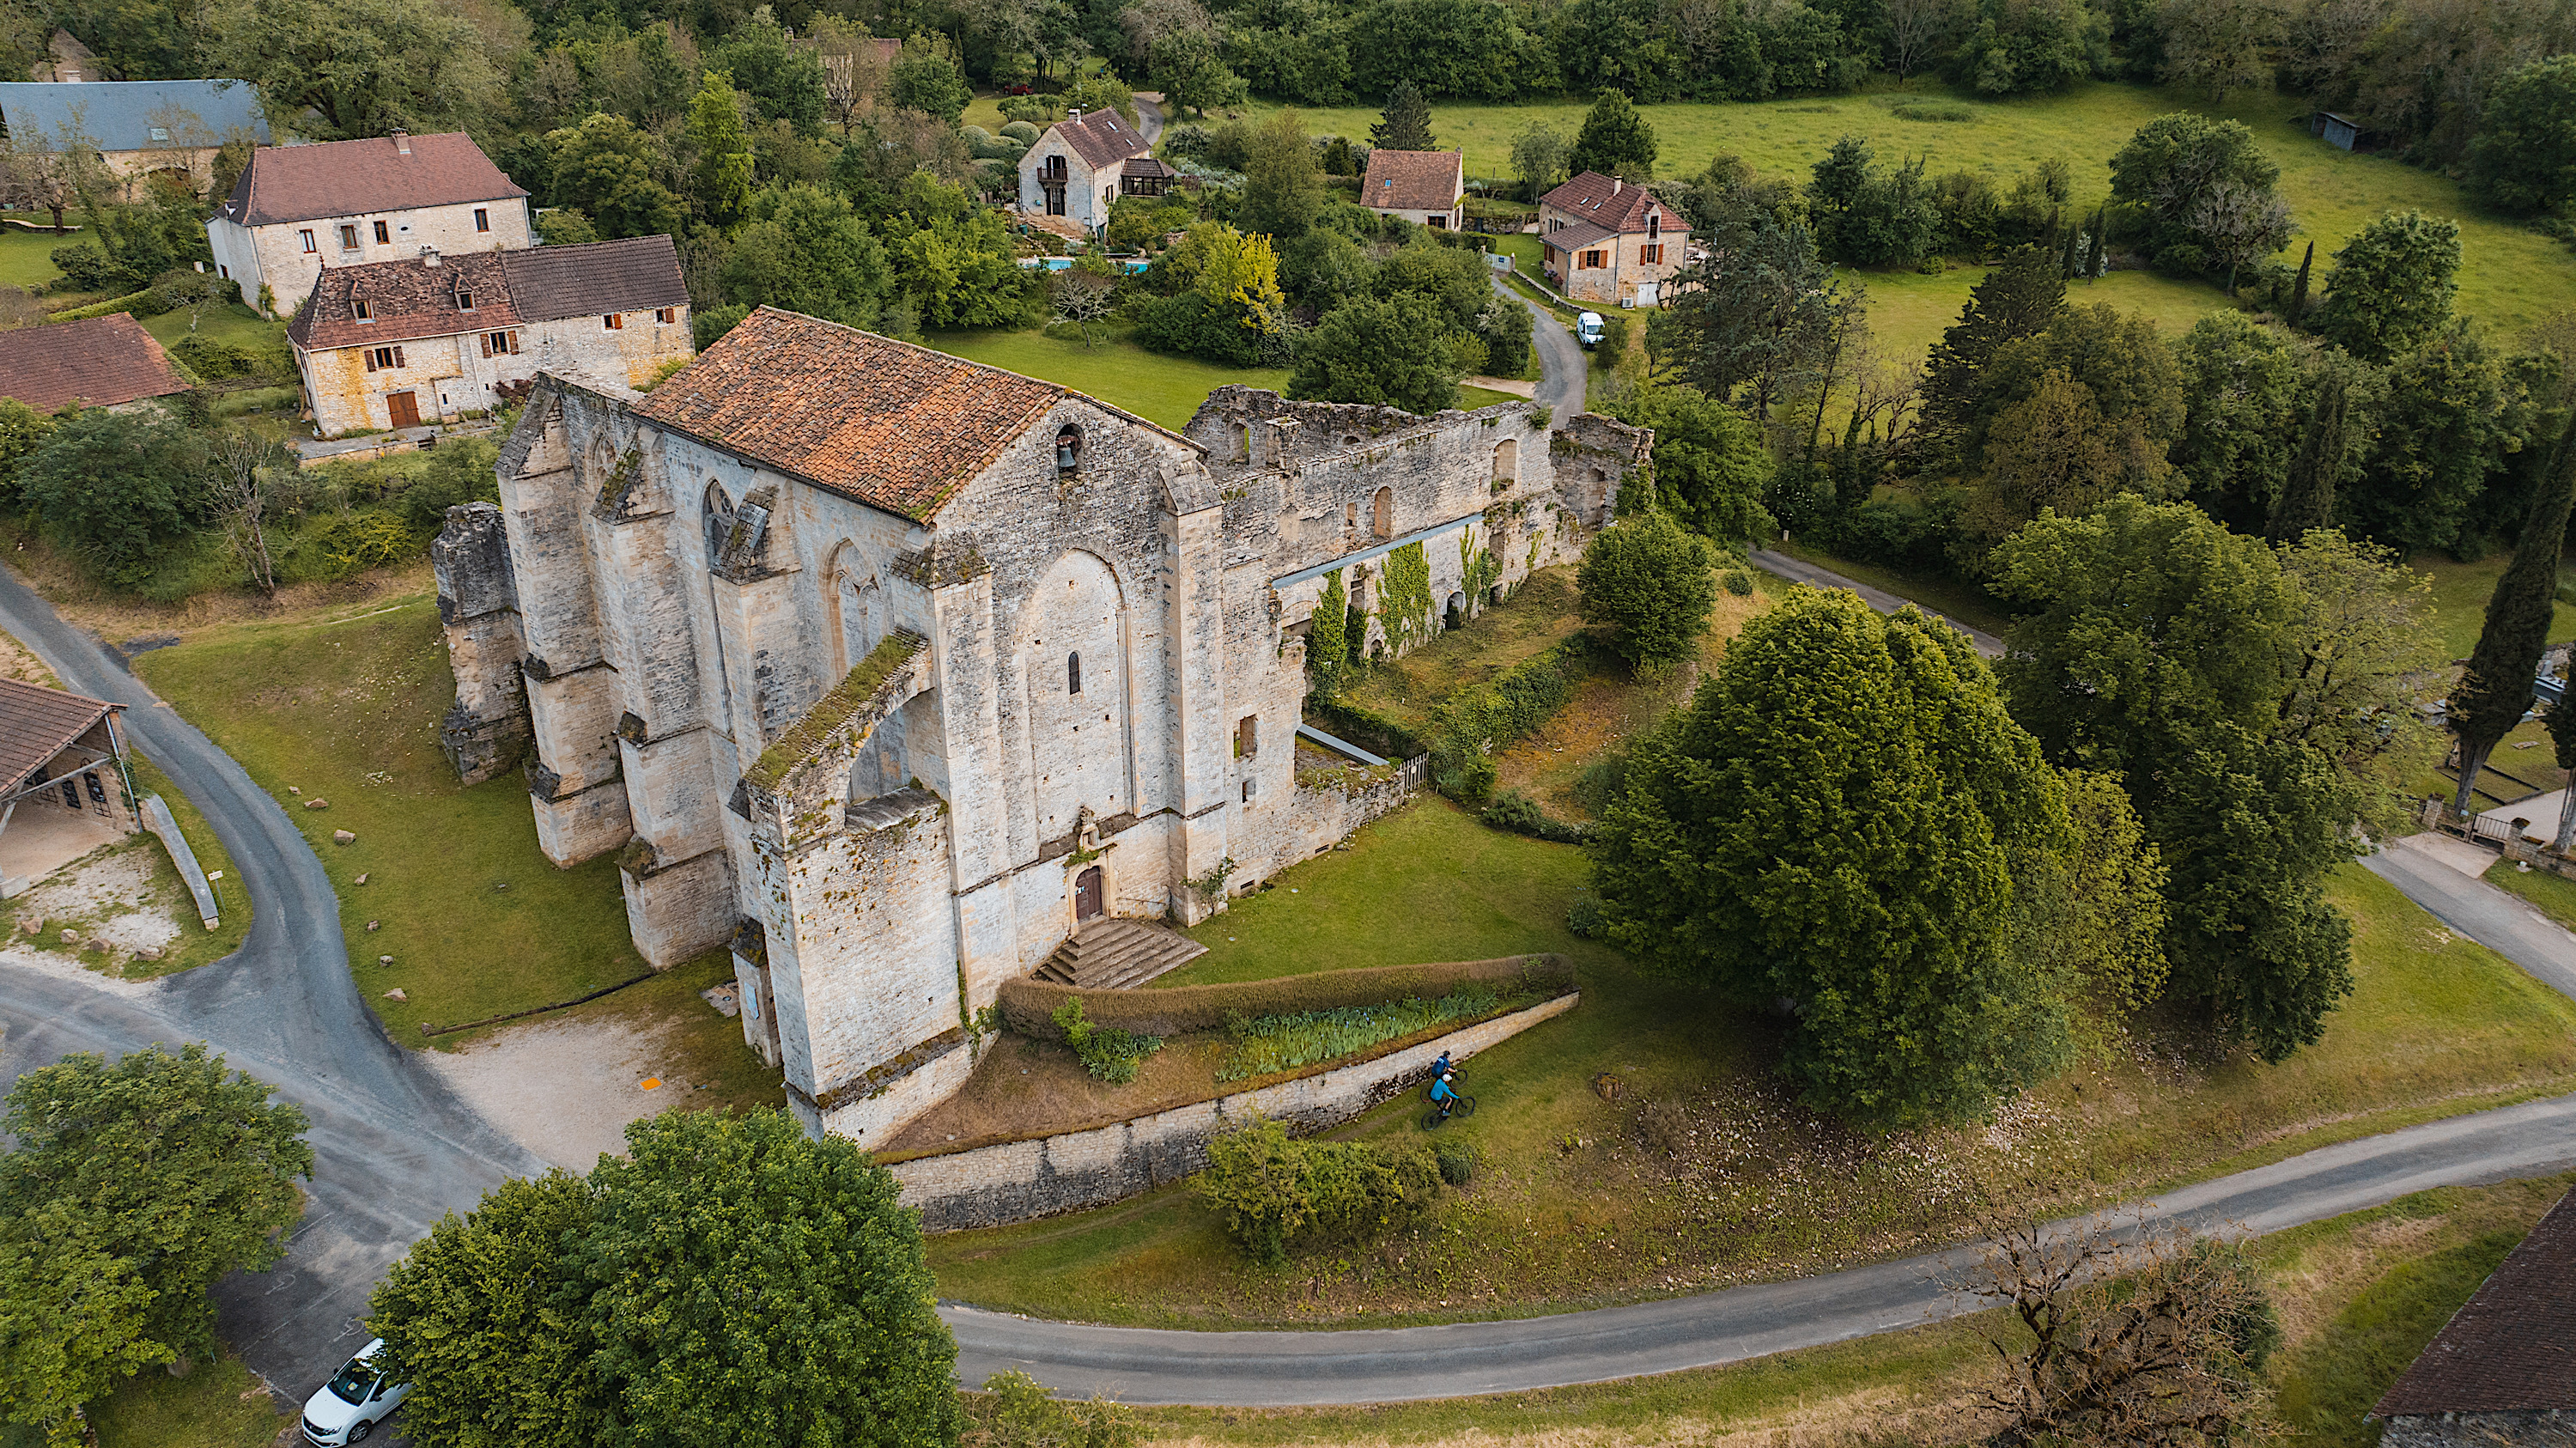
724, 171
2492, 696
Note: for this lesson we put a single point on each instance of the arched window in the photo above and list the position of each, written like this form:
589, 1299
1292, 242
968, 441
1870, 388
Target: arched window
719, 522
1068, 451
1073, 673
1383, 513
1507, 461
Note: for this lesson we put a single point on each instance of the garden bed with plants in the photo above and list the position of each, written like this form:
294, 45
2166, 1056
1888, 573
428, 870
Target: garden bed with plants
1073, 1059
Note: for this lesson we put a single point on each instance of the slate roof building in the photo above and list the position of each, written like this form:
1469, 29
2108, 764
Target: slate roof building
138, 127
108, 362
1427, 187
64, 780
395, 344
1602, 240
1080, 165
2502, 1372
298, 209
897, 672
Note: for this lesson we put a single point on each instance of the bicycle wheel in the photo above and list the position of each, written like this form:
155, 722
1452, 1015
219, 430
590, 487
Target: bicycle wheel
1466, 1107
1431, 1119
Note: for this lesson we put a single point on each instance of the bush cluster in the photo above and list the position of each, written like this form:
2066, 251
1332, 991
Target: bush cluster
1278, 1195
1470, 725
1029, 1006
1512, 810
1109, 1053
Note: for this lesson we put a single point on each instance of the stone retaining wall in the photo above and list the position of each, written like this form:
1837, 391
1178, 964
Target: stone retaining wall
989, 1186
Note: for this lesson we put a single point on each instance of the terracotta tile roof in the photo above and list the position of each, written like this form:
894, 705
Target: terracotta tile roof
1607, 202
1578, 236
1413, 180
887, 423
101, 362
359, 178
36, 724
1101, 139
2512, 1347
409, 299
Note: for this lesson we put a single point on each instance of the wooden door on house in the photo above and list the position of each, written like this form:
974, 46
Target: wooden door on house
1086, 894
404, 408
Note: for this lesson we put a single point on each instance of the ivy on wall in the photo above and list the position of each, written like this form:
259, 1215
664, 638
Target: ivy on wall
1477, 567
1404, 602
1327, 635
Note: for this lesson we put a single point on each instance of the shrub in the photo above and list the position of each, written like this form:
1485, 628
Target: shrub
1739, 583
1601, 782
86, 268
1016, 1411
1457, 1161
1283, 1043
1029, 1006
1648, 579
1517, 812
1277, 1195
1475, 722
351, 543
458, 472
209, 358
1022, 132
1932, 111
1583, 918
1031, 111
1108, 1053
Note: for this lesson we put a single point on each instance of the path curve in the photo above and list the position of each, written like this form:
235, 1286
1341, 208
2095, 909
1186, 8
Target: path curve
395, 1149
1797, 570
1562, 365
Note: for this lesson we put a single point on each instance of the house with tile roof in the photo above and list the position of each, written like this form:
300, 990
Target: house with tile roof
298, 209
2502, 1371
138, 128
1081, 164
1606, 241
107, 362
394, 344
1425, 187
902, 675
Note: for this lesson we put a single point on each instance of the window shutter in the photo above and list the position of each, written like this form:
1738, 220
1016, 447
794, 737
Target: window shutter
398, 358
514, 344
370, 354
487, 344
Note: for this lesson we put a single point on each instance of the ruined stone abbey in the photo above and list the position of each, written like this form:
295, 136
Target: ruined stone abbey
890, 670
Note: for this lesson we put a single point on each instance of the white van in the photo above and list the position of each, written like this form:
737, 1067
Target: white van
1587, 329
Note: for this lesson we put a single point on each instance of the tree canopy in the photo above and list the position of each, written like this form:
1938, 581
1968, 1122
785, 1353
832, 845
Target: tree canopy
2392, 285
1649, 581
1614, 141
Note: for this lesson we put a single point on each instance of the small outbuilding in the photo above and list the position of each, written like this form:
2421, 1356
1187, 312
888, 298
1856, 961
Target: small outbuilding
2341, 132
2502, 1372
66, 787
1426, 187
108, 362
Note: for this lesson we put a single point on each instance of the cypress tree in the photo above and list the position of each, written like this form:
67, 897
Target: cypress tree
2491, 697
2299, 293
2562, 733
1405, 124
2019, 298
2101, 262
2307, 500
2074, 252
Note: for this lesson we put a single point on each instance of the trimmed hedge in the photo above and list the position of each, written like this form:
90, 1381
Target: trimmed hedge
1029, 1005
141, 304
1365, 727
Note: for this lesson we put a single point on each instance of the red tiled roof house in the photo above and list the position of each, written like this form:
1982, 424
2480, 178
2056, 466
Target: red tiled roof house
1604, 240
399, 343
1426, 187
298, 209
108, 362
1081, 165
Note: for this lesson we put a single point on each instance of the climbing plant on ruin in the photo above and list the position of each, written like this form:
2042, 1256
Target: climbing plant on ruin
1404, 603
1328, 634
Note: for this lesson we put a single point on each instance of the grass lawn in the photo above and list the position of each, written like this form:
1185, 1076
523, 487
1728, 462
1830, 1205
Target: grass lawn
2510, 277
2359, 1295
2522, 764
27, 258
1705, 1173
236, 324
2460, 594
218, 1404
1162, 389
2552, 895
344, 705
1539, 613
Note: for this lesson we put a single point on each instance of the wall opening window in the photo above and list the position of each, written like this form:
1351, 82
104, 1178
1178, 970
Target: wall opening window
1247, 736
349, 238
1651, 254
308, 240
384, 234
500, 344
718, 520
666, 315
482, 219
464, 300
1591, 260
1654, 224
1382, 513
1068, 456
1507, 461
1073, 673
380, 359
359, 305
614, 322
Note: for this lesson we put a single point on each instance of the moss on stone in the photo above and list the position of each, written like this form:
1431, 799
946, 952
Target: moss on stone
835, 708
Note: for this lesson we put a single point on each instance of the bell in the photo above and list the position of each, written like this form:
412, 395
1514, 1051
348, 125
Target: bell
1064, 457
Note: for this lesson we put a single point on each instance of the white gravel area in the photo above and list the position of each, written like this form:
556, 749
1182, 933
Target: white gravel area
115, 889
564, 1090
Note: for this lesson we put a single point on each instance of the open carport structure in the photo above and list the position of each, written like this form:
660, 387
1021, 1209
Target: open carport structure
65, 785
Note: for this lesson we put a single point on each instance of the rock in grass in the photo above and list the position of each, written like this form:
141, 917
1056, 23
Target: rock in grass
343, 837
317, 802
371, 926
396, 994
384, 960
362, 879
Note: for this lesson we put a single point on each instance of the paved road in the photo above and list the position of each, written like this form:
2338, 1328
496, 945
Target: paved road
1562, 365
395, 1149
1796, 571
2500, 922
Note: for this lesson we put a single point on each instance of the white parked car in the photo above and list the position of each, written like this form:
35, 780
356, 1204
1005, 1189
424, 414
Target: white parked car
347, 1408
1587, 329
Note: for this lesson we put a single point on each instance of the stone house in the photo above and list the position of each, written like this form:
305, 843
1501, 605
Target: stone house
896, 671
2502, 1372
1426, 187
1083, 163
108, 362
298, 209
393, 344
139, 128
1605, 241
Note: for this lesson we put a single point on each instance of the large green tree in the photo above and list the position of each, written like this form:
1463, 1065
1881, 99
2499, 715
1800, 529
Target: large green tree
2392, 285
1757, 315
720, 183
953, 260
803, 249
1839, 819
1711, 463
2176, 180
608, 169
119, 490
363, 67
2442, 418
2524, 159
2495, 690
2252, 701
2019, 298
1614, 141
1397, 352
1283, 188
2241, 393
1404, 123
729, 1280
1648, 581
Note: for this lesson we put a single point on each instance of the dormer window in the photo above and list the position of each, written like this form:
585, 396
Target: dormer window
1068, 454
364, 313
464, 300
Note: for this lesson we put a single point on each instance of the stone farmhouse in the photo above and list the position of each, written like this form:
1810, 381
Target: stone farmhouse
298, 209
1603, 240
1083, 163
108, 362
896, 671
1425, 187
394, 344
138, 128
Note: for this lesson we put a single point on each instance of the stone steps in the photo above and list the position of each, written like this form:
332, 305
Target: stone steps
1115, 954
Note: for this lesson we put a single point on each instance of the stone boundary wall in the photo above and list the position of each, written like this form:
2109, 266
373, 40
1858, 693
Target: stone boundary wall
990, 1186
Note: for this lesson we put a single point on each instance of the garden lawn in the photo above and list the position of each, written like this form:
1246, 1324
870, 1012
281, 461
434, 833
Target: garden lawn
1167, 390
27, 258
1538, 614
344, 705
2460, 594
2510, 277
1704, 1173
233, 323
219, 1404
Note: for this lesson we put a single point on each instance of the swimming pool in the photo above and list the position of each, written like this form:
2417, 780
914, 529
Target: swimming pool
1065, 263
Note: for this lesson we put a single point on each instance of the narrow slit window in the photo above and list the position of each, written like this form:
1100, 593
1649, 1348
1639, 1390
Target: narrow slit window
482, 219
1073, 673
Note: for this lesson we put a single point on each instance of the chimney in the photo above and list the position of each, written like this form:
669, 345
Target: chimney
402, 142
429, 256
1074, 116
1615, 182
